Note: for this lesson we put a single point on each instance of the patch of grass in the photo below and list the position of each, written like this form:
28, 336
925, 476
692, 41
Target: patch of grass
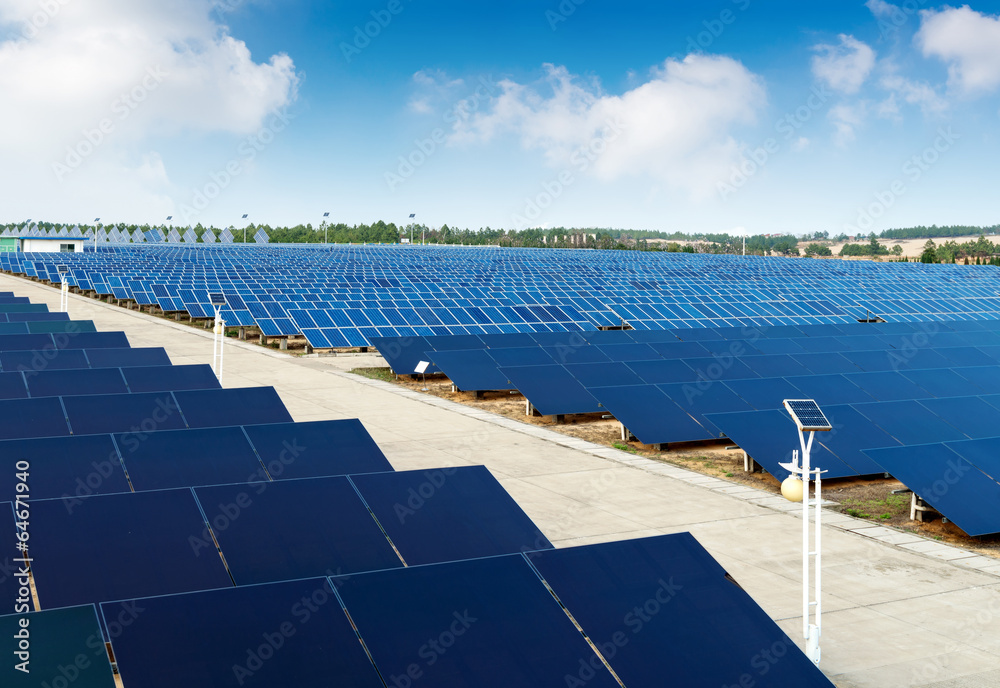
384, 374
729, 475
893, 505
624, 447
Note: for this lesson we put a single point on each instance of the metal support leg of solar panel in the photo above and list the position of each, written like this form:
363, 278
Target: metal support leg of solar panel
808, 418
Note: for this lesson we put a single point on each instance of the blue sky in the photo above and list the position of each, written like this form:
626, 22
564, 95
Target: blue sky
728, 115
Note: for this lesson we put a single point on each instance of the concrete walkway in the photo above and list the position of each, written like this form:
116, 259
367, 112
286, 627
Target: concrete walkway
899, 610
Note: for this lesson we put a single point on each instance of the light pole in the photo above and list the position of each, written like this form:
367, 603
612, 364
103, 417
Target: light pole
218, 300
808, 418
412, 215
326, 228
245, 228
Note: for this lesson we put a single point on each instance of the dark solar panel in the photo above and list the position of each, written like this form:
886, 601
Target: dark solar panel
183, 458
948, 482
65, 648
603, 374
942, 382
24, 418
552, 390
829, 389
222, 637
127, 358
909, 422
504, 629
679, 349
650, 415
984, 454
720, 368
113, 547
887, 386
447, 514
53, 383
970, 415
164, 378
851, 434
90, 340
662, 606
239, 406
63, 466
699, 398
826, 364
402, 353
46, 359
12, 386
295, 529
136, 413
316, 449
628, 352
568, 353
519, 356
764, 393
662, 371
472, 370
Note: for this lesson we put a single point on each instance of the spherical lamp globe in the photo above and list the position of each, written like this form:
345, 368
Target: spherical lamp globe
791, 489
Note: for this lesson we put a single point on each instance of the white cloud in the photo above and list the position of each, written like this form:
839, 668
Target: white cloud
675, 128
882, 9
843, 67
434, 89
142, 69
968, 42
846, 119
915, 93
800, 144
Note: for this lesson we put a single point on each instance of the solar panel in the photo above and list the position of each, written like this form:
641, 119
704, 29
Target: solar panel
662, 371
208, 408
402, 353
971, 415
126, 357
51, 383
316, 449
12, 386
518, 356
183, 458
61, 326
909, 422
295, 529
448, 514
63, 644
10, 586
472, 370
649, 414
807, 415
887, 386
91, 340
165, 378
932, 471
113, 547
826, 364
64, 466
829, 389
563, 354
24, 418
982, 453
135, 413
663, 607
763, 393
852, 433
603, 374
504, 629
220, 638
552, 390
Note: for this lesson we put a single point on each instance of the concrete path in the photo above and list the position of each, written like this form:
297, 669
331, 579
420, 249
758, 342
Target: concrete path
898, 610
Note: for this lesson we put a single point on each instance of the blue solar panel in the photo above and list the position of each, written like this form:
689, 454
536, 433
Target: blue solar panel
966, 356
166, 378
970, 415
679, 349
136, 413
984, 454
627, 352
63, 644
113, 547
689, 621
699, 398
940, 382
212, 639
722, 368
90, 340
182, 458
295, 529
12, 386
552, 390
851, 434
909, 422
448, 514
208, 408
775, 365
764, 393
507, 628
472, 370
662, 371
48, 359
887, 386
603, 374
68, 326
403, 353
934, 472
316, 449
830, 389
127, 358
825, 364
25, 418
51, 383
777, 346
67, 467
650, 415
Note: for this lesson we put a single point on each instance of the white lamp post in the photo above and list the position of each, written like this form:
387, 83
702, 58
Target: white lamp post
64, 288
809, 419
412, 215
326, 228
218, 300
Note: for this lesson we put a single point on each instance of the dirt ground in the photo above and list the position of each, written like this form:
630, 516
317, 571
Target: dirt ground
871, 499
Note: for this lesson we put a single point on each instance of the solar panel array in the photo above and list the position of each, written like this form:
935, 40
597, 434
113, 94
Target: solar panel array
210, 540
339, 296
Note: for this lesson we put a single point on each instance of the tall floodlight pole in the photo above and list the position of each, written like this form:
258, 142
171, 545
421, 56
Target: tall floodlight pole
744, 244
97, 226
809, 419
218, 300
326, 228
412, 215
245, 228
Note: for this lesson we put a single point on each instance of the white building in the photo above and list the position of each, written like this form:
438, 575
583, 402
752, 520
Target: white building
52, 244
